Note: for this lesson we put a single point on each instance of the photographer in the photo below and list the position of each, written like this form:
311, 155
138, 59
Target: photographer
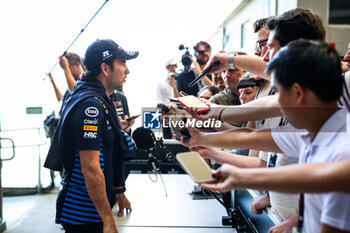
202, 53
167, 87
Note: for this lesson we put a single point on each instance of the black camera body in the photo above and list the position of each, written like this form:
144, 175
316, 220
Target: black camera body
186, 57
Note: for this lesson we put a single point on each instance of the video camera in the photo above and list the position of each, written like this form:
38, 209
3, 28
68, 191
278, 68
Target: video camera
186, 57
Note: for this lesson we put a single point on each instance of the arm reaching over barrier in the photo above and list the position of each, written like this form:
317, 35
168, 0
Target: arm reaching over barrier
308, 178
258, 109
241, 138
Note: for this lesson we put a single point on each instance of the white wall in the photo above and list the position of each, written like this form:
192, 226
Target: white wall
338, 34
246, 13
252, 10
215, 41
285, 5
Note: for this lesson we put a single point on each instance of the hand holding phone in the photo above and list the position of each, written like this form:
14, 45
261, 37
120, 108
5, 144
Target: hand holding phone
163, 108
195, 166
193, 102
179, 132
184, 133
174, 100
133, 117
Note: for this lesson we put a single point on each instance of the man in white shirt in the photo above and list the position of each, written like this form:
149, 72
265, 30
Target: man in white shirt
319, 133
167, 87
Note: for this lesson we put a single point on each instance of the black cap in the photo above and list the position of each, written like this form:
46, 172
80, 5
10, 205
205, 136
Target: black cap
102, 51
251, 82
202, 46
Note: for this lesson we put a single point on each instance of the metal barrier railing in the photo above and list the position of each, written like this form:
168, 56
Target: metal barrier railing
13, 149
39, 129
38, 145
2, 222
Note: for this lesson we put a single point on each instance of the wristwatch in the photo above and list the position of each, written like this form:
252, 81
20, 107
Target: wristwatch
231, 64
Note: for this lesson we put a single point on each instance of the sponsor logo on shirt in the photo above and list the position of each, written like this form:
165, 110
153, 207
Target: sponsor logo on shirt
90, 135
120, 111
91, 112
91, 122
90, 128
118, 103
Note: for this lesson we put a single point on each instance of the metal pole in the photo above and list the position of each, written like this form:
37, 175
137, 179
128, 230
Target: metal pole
81, 31
39, 163
2, 222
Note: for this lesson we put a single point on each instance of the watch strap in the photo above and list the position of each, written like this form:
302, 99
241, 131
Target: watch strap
231, 64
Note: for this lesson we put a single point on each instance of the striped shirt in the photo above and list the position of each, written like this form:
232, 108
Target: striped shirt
77, 205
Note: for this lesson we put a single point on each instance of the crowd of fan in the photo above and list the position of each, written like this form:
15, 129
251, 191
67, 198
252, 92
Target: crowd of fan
292, 60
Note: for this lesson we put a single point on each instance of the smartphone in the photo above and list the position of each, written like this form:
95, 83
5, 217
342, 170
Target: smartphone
175, 126
183, 93
178, 104
173, 100
192, 101
133, 117
163, 108
195, 166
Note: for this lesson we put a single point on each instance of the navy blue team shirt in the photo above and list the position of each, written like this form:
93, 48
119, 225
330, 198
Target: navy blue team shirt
89, 130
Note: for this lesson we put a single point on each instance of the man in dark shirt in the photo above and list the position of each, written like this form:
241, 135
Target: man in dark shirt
88, 144
202, 53
185, 78
120, 103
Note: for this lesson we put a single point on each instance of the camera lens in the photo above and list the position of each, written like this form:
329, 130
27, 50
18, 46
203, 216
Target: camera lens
186, 60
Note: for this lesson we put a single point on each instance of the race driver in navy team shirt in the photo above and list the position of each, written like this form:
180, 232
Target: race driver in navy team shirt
89, 144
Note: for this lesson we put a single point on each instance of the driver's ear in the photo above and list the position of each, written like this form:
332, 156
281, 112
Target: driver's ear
105, 69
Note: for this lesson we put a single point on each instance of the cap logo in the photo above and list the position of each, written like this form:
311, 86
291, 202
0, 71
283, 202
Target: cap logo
131, 53
201, 47
106, 54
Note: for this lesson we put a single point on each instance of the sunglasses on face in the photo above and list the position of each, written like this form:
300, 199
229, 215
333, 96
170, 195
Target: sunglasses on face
202, 52
259, 45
